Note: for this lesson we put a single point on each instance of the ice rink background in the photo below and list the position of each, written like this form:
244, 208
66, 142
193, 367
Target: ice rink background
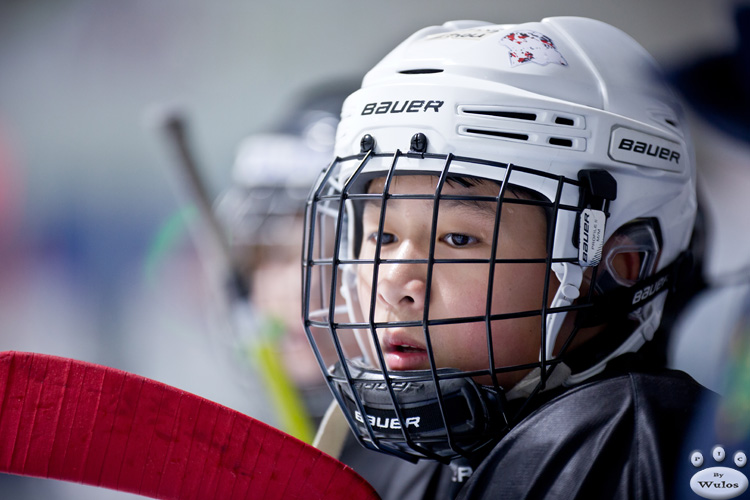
96, 261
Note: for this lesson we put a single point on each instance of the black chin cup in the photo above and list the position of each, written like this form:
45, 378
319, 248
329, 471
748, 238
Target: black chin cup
463, 420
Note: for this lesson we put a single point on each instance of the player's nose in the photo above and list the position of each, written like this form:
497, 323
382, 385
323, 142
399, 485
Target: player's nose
402, 280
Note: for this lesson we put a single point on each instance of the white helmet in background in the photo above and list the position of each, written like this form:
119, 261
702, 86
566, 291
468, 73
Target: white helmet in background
570, 110
273, 171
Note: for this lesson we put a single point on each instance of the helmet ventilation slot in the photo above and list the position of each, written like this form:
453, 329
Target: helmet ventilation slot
498, 133
572, 143
424, 71
562, 120
515, 115
546, 117
560, 141
541, 127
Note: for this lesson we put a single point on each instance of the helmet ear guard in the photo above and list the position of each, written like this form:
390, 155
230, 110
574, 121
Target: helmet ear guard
625, 300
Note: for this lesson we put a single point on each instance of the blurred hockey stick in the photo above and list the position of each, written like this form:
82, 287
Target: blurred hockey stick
288, 403
174, 126
76, 421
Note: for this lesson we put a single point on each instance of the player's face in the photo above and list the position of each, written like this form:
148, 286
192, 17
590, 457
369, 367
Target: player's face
276, 296
457, 290
276, 280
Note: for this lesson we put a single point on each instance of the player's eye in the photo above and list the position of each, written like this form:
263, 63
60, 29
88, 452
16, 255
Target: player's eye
385, 240
458, 239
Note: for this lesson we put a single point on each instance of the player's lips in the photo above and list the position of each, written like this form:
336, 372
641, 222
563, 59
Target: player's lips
403, 352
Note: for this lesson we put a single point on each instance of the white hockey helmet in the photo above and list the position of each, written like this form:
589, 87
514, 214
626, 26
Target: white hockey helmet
570, 109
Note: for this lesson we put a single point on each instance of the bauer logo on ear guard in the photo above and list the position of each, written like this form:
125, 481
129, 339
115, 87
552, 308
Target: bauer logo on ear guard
591, 237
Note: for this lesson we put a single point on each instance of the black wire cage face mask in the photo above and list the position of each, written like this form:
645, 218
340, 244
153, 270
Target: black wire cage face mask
433, 284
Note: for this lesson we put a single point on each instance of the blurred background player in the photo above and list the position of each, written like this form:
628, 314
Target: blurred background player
263, 213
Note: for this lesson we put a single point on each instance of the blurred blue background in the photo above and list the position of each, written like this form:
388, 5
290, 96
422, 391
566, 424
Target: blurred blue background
95, 258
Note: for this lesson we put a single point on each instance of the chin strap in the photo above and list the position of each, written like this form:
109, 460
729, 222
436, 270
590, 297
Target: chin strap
527, 385
85, 423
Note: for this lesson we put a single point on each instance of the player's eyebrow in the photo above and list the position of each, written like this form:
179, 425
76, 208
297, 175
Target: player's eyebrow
468, 197
470, 207
480, 207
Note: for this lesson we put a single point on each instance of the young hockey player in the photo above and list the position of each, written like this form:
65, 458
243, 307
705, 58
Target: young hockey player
507, 213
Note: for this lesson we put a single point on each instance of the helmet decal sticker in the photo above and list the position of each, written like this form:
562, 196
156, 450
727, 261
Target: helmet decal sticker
532, 46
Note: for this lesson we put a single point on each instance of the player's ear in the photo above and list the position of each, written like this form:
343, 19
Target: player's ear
626, 265
622, 262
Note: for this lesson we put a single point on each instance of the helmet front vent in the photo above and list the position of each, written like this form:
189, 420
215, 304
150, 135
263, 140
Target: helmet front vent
514, 115
542, 127
423, 71
498, 133
560, 141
